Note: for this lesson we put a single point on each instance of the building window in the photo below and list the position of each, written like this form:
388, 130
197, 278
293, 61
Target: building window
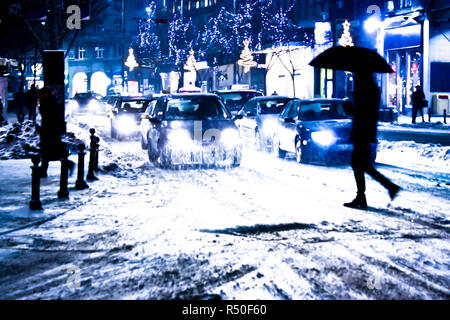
81, 53
117, 50
98, 28
99, 52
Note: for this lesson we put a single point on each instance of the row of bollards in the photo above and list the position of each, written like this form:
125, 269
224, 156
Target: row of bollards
80, 184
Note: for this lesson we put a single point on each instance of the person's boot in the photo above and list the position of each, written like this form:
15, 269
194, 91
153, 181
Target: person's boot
393, 191
358, 203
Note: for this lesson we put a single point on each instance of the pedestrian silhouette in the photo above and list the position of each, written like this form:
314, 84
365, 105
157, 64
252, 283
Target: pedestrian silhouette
2, 118
366, 103
31, 102
50, 131
418, 103
19, 104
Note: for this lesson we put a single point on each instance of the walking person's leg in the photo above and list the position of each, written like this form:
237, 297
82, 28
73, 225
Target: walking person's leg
421, 113
359, 163
414, 114
385, 182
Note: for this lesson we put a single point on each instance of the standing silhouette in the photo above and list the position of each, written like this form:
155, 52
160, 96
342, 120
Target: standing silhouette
50, 131
418, 103
31, 102
366, 97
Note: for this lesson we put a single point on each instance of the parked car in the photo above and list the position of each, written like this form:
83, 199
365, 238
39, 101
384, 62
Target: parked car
125, 116
315, 130
235, 99
258, 118
190, 129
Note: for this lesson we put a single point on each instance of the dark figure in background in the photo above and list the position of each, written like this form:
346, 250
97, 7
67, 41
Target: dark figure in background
418, 103
20, 101
366, 99
2, 118
50, 131
32, 98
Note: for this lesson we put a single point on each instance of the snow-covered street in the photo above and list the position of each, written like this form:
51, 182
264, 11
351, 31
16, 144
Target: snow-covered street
269, 229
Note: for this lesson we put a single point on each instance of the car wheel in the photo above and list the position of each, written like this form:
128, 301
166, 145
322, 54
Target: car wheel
165, 161
276, 148
258, 145
144, 146
113, 131
152, 157
237, 159
299, 154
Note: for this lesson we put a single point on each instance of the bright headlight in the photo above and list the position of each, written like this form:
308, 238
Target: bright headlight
270, 126
230, 137
179, 138
324, 138
93, 105
73, 105
126, 124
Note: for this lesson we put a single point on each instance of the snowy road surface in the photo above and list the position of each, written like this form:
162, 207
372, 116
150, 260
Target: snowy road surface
270, 229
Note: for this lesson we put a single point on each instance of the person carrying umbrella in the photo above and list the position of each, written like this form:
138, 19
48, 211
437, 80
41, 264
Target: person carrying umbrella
366, 102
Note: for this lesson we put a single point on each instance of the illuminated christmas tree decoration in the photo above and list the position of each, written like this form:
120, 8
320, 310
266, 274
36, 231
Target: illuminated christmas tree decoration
191, 63
246, 58
131, 60
346, 38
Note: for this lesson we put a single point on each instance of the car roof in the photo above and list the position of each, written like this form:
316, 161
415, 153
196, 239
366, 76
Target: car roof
271, 98
237, 91
320, 100
178, 95
128, 98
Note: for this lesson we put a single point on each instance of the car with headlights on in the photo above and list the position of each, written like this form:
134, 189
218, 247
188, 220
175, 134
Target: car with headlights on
190, 129
125, 116
258, 118
85, 102
316, 130
235, 99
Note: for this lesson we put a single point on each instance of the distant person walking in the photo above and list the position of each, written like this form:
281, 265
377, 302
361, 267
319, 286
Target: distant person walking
31, 102
418, 103
50, 131
19, 103
366, 103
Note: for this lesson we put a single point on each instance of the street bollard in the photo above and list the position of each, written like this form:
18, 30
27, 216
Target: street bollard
80, 184
445, 116
92, 156
97, 151
35, 203
429, 114
63, 192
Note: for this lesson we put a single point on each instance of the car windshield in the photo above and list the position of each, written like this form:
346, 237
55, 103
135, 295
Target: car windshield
235, 100
274, 106
135, 106
313, 111
195, 108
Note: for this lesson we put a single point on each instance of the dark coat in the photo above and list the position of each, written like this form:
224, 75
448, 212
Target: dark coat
418, 98
366, 99
51, 129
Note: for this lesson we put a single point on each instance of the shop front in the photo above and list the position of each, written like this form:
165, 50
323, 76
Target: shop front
403, 51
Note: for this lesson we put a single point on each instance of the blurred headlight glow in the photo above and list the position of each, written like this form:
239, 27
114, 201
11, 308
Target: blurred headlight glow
73, 105
324, 138
93, 105
270, 126
179, 138
126, 125
230, 137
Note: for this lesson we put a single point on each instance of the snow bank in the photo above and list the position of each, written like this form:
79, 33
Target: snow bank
21, 140
415, 153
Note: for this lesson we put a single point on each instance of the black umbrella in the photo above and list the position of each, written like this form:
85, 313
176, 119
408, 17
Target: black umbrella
353, 59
